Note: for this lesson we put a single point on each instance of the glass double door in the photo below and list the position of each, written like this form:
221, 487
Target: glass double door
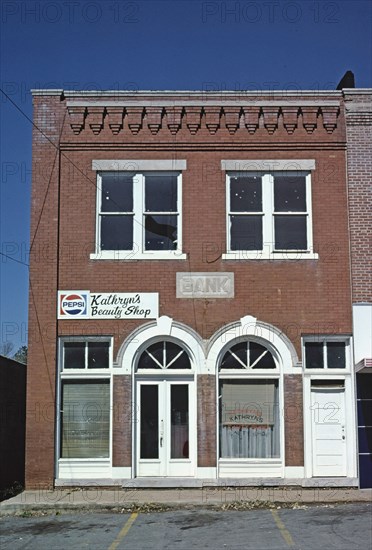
165, 428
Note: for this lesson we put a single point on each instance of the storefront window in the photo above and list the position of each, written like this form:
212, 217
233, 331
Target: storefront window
249, 417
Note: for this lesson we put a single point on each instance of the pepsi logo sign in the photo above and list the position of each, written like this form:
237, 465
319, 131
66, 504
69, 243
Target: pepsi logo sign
73, 304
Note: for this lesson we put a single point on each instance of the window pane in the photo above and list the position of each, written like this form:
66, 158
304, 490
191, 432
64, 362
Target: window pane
98, 355
230, 362
290, 233
336, 358
314, 355
74, 355
245, 194
116, 233
149, 421
249, 419
290, 193
256, 351
85, 419
246, 232
161, 193
179, 421
117, 193
160, 232
172, 351
157, 352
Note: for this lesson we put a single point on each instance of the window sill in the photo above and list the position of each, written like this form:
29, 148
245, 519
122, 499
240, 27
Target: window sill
241, 255
134, 256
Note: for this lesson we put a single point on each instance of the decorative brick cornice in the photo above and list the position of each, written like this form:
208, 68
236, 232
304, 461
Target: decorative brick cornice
115, 119
134, 118
95, 119
174, 118
258, 118
212, 118
270, 118
77, 118
290, 118
251, 118
309, 118
193, 119
232, 118
330, 115
154, 118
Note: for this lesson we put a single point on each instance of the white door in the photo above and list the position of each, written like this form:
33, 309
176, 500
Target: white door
328, 431
165, 428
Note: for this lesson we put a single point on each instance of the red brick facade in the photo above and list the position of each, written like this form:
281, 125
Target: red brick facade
358, 106
297, 297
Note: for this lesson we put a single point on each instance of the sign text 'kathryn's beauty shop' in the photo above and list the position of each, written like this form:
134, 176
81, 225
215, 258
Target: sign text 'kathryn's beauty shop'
83, 304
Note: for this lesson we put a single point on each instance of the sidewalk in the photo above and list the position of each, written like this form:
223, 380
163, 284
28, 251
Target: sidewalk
145, 500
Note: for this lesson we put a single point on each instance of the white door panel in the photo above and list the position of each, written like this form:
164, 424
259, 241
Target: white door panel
165, 428
328, 431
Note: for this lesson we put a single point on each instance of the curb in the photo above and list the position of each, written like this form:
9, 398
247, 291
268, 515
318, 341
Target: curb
20, 509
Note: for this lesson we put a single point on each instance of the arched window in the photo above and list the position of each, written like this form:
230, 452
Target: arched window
248, 355
249, 403
164, 355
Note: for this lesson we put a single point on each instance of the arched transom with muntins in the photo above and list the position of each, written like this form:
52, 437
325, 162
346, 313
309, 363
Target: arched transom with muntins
164, 355
248, 355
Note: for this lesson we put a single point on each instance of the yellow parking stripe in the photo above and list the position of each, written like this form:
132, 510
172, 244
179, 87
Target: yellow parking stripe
283, 531
124, 531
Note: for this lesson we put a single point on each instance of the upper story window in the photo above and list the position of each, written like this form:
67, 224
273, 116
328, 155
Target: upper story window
269, 215
327, 354
139, 214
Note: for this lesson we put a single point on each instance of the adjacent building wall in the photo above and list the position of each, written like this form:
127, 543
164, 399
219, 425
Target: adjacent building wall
12, 422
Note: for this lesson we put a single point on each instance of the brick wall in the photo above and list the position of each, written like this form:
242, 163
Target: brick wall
293, 420
206, 421
358, 108
122, 421
40, 416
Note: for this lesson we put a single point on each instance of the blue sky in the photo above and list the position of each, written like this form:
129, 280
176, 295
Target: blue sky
177, 44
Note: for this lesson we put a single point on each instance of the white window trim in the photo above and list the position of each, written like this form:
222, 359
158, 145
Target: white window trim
85, 372
138, 252
245, 467
327, 372
268, 165
81, 374
136, 165
268, 252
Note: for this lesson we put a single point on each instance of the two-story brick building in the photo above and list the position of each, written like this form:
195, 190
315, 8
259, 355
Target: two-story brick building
190, 299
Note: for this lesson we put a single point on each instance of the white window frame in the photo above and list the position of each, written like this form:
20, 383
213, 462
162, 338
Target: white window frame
138, 170
82, 467
251, 467
324, 339
85, 370
268, 214
344, 375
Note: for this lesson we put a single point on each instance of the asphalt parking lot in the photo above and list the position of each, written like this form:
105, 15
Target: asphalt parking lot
328, 526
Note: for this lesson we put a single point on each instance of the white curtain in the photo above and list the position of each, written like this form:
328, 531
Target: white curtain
241, 437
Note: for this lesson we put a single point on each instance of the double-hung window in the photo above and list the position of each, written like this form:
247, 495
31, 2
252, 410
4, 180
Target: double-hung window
139, 214
269, 215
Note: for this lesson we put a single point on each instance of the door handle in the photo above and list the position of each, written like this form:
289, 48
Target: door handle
161, 442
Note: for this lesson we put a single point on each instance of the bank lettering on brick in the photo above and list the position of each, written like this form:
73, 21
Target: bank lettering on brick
205, 285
